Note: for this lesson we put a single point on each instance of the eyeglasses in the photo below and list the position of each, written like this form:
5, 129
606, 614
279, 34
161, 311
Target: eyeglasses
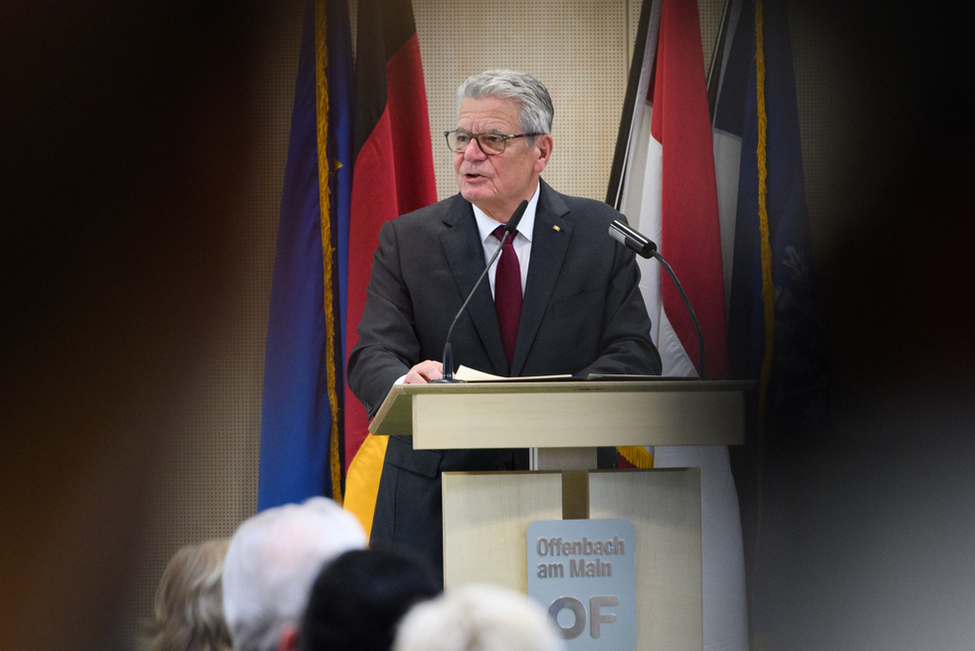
491, 144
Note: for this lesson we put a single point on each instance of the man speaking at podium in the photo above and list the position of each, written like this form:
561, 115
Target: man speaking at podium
563, 297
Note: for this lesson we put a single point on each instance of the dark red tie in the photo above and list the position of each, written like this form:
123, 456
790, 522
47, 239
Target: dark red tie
507, 293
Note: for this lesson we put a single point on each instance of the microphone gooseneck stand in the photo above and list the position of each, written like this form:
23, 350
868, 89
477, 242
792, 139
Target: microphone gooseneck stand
646, 248
448, 353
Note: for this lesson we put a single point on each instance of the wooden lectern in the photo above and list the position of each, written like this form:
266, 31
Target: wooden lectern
486, 514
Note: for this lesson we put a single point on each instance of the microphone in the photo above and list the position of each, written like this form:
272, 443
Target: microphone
645, 247
629, 237
516, 216
448, 353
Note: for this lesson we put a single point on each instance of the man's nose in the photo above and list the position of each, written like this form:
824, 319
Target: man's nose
474, 151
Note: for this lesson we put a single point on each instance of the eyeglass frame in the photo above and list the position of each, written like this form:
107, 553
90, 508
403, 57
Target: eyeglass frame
476, 137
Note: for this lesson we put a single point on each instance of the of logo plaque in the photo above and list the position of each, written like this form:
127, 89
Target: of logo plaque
584, 573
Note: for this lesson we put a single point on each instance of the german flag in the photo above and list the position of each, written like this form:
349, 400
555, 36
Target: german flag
392, 175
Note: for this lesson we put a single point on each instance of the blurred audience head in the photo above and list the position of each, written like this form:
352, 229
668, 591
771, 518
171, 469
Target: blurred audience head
272, 562
478, 617
359, 598
187, 613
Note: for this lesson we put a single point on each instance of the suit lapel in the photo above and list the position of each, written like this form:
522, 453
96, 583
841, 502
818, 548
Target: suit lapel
461, 244
550, 241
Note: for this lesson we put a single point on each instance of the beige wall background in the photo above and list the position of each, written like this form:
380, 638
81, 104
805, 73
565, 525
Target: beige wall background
581, 49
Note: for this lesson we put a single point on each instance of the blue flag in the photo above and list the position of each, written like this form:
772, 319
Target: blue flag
303, 366
774, 325
779, 347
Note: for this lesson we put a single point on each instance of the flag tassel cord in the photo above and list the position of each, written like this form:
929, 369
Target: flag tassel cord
321, 98
768, 291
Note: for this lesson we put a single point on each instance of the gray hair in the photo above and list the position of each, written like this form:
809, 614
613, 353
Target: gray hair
272, 563
536, 111
478, 617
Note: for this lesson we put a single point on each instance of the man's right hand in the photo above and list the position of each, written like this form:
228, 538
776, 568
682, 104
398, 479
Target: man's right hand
424, 372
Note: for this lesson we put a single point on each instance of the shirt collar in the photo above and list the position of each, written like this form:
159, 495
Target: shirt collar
486, 225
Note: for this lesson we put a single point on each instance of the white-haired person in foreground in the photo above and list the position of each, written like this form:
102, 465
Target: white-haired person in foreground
271, 564
478, 617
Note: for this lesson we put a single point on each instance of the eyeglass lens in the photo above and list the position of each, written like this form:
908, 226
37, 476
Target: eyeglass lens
490, 143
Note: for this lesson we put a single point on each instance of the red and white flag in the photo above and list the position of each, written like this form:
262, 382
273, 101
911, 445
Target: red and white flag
669, 192
664, 182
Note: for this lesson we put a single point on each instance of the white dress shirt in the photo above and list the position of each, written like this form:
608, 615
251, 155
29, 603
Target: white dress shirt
522, 239
522, 243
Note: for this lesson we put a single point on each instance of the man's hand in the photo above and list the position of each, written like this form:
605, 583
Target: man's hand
424, 372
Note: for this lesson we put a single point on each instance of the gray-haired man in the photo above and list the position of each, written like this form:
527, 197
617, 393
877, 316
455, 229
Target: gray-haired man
579, 311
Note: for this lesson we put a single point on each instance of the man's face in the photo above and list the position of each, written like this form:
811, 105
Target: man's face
497, 184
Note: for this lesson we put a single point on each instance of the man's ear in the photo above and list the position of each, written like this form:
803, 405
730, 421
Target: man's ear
544, 145
288, 639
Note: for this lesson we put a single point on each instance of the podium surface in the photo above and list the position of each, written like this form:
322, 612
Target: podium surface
565, 414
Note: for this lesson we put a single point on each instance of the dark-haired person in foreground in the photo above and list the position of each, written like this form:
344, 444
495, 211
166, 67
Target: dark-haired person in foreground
360, 597
567, 295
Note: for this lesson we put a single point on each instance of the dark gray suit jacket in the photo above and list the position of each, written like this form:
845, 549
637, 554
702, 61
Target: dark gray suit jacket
583, 313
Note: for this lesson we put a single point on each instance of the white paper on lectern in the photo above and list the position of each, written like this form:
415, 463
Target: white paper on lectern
473, 375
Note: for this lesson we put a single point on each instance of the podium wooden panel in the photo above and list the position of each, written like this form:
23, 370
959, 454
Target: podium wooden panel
486, 515
665, 509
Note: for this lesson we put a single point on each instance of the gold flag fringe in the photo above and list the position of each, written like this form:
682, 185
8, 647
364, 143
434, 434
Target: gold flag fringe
324, 169
638, 455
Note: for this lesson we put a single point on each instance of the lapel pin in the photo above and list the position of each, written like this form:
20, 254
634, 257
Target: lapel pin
556, 228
